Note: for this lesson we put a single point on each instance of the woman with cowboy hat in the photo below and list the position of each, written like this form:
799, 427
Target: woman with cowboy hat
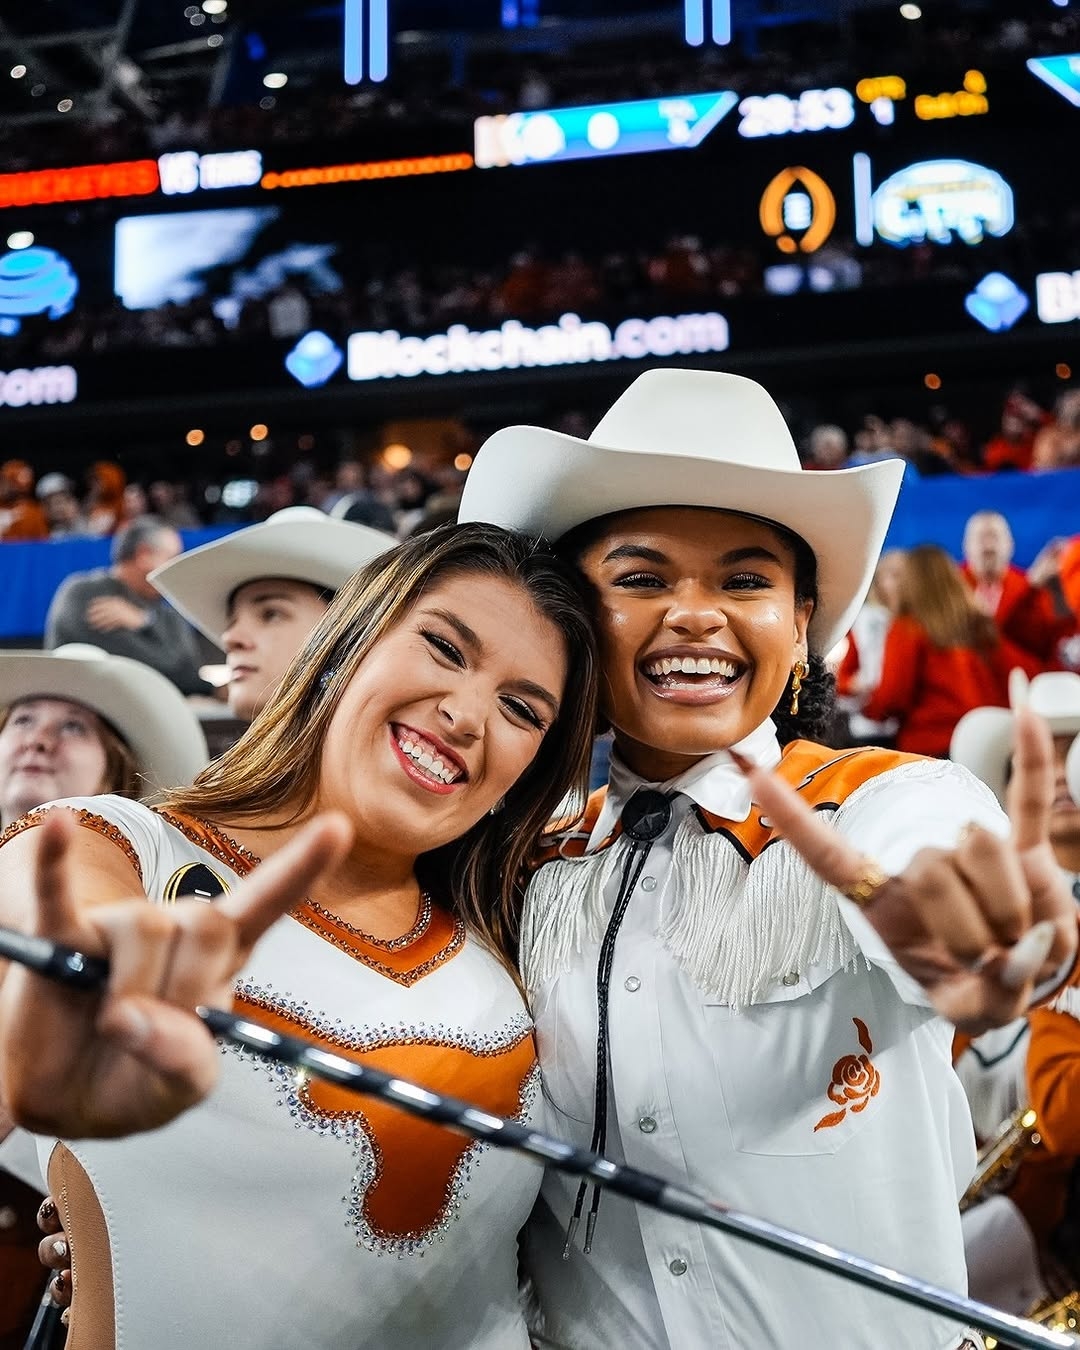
394, 786
1017, 1242
258, 593
741, 980
74, 722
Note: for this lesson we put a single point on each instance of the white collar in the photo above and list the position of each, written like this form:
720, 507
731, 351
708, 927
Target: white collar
713, 783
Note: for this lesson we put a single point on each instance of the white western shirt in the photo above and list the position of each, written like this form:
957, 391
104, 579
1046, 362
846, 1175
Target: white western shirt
720, 1071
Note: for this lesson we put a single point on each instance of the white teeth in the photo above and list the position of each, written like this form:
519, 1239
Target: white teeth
430, 763
691, 665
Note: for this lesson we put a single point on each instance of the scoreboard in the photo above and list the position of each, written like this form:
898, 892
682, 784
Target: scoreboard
897, 208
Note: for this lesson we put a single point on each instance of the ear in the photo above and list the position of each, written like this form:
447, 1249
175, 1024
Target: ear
803, 611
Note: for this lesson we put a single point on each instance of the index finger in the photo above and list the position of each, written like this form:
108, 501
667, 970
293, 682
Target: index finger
828, 853
287, 875
1030, 793
57, 914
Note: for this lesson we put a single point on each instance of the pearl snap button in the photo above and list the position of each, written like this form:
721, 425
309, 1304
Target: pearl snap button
8, 1217
632, 983
646, 1124
678, 1266
792, 977
648, 883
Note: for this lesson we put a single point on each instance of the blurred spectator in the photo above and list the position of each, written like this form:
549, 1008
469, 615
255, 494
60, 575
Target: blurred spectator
873, 442
349, 479
135, 502
828, 448
1012, 446
411, 491
119, 610
1057, 445
1024, 613
21, 517
56, 493
105, 497
168, 501
943, 656
859, 672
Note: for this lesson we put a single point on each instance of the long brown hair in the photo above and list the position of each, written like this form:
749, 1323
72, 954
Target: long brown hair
933, 593
275, 765
121, 775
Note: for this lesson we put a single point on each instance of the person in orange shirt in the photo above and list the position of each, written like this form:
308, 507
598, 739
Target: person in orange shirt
943, 657
1017, 602
21, 516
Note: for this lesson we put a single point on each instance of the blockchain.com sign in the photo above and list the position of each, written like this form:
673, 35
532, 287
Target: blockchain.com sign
514, 346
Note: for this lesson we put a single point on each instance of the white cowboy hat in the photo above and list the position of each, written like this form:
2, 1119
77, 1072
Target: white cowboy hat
143, 707
299, 543
983, 738
693, 438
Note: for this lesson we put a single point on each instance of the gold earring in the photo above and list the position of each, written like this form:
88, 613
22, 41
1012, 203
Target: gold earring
799, 672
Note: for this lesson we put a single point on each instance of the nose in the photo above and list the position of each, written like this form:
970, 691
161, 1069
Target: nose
236, 638
694, 611
461, 712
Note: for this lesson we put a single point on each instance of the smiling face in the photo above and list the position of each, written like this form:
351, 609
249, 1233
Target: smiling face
269, 621
49, 748
444, 714
699, 630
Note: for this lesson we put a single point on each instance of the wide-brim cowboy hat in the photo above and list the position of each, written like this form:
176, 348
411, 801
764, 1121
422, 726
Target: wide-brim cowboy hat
694, 438
983, 738
299, 543
141, 705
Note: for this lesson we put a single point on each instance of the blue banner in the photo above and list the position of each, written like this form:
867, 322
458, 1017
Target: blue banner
1038, 507
31, 573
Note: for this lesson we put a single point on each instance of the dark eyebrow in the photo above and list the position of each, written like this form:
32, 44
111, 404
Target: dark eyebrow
472, 640
641, 553
638, 552
752, 551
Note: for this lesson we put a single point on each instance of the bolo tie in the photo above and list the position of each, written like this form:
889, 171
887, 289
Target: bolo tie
644, 819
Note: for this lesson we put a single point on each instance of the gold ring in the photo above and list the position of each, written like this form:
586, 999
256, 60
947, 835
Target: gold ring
863, 890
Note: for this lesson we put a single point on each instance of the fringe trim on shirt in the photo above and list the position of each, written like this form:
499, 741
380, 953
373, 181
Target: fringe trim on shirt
565, 910
738, 930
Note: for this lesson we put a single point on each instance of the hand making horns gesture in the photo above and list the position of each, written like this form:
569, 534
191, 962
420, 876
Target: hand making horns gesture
75, 1063
979, 926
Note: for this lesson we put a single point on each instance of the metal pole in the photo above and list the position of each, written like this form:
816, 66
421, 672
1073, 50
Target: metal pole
640, 1186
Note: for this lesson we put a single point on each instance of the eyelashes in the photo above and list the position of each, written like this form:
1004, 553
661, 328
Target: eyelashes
516, 707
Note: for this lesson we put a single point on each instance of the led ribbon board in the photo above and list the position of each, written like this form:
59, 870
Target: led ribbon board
1061, 73
676, 123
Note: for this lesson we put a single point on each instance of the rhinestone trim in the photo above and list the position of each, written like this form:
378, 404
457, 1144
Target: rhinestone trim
213, 840
354, 1127
324, 925
417, 931
113, 833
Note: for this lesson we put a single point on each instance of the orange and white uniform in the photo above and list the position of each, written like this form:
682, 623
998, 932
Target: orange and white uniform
282, 1213
1032, 1062
764, 1047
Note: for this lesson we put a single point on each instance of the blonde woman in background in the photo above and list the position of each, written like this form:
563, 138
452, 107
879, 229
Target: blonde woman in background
943, 656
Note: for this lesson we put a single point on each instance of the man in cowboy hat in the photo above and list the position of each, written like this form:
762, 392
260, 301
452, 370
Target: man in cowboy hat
1033, 1063
727, 990
258, 593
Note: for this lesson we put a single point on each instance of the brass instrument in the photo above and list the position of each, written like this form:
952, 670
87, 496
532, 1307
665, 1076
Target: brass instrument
1057, 1314
1001, 1156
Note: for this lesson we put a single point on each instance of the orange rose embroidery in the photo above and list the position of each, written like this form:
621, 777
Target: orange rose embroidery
854, 1081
